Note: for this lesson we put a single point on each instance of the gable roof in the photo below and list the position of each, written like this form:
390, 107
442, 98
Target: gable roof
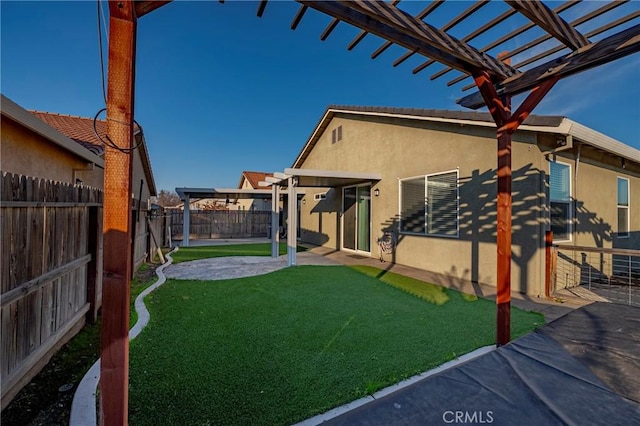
81, 130
254, 178
541, 123
21, 116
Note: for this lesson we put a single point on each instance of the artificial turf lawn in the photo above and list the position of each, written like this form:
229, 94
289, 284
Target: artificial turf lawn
281, 347
185, 254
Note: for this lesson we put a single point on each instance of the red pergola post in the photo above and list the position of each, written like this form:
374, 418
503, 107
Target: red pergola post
114, 354
507, 124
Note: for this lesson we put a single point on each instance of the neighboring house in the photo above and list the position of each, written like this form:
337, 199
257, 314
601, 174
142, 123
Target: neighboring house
251, 180
438, 190
143, 186
31, 147
52, 175
65, 148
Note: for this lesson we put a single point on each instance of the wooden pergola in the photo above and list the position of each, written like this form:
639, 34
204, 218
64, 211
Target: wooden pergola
495, 78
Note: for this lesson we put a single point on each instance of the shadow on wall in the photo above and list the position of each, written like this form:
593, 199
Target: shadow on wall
327, 210
477, 221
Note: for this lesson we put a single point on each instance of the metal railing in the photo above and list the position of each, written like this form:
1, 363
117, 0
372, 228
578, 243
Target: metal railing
611, 275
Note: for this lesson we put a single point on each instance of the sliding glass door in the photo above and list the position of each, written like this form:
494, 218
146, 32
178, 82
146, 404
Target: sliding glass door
356, 218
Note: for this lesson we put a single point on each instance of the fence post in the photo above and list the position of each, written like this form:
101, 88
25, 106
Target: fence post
93, 271
549, 269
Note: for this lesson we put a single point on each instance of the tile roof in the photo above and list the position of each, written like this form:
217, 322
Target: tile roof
80, 129
254, 178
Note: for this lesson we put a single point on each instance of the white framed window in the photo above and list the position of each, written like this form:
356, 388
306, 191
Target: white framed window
320, 196
429, 205
623, 207
560, 200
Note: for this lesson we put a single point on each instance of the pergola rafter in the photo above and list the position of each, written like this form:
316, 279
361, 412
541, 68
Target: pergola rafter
446, 27
496, 81
401, 28
579, 21
551, 22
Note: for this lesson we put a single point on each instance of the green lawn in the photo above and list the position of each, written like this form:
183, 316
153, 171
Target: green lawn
185, 254
281, 347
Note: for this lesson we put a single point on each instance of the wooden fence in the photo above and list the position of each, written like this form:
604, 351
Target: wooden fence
51, 272
222, 224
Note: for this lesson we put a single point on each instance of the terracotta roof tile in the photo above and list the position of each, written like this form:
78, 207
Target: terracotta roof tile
254, 178
80, 129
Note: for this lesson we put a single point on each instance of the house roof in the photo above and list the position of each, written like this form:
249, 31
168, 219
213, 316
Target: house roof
81, 130
20, 115
540, 123
254, 178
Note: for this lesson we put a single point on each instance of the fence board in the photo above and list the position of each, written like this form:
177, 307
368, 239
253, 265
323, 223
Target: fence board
223, 224
43, 270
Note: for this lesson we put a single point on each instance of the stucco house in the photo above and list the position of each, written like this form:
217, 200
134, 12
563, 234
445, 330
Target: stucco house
65, 148
437, 194
31, 147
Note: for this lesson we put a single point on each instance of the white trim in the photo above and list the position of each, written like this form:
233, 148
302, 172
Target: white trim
602, 141
571, 202
628, 207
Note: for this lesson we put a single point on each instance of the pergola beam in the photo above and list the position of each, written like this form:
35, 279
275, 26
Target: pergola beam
423, 14
144, 7
446, 27
299, 14
515, 33
114, 339
363, 33
604, 51
405, 30
507, 124
261, 8
591, 33
486, 27
550, 21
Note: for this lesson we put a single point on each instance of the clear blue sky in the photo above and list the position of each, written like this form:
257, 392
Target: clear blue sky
220, 90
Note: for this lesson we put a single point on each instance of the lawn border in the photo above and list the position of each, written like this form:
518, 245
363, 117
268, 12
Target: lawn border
83, 407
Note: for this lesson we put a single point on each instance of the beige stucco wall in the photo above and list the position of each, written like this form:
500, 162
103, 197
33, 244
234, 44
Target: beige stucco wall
400, 149
27, 153
594, 179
